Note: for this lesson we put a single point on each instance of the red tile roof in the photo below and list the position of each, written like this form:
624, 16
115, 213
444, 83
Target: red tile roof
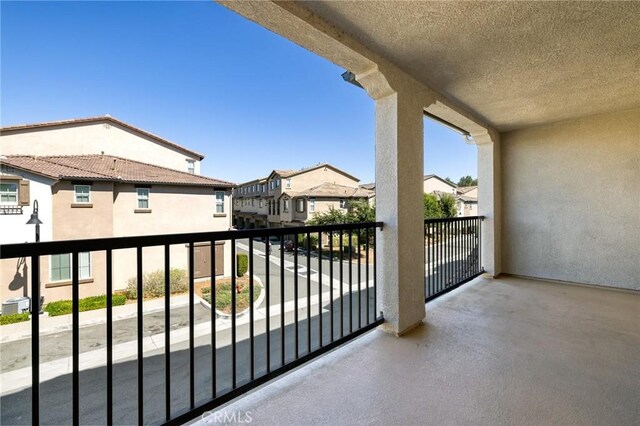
108, 168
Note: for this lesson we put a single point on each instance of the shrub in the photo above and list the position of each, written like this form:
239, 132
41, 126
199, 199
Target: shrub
223, 296
64, 307
302, 241
153, 283
243, 263
14, 318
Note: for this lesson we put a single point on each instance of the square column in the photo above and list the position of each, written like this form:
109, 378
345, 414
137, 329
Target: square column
490, 201
399, 180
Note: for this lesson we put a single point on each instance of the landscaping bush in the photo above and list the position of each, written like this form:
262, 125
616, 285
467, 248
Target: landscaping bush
242, 260
302, 241
64, 307
153, 283
14, 318
223, 295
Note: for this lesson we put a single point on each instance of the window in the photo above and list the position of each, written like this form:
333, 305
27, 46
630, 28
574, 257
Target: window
9, 193
277, 182
61, 266
343, 204
253, 203
191, 166
271, 185
300, 205
261, 203
312, 204
285, 205
264, 187
82, 194
219, 201
288, 183
143, 198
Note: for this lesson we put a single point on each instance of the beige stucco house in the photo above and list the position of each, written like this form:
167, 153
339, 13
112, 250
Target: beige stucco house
95, 196
97, 135
434, 184
467, 201
291, 197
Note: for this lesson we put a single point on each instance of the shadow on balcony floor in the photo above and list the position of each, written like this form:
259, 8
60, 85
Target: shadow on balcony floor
506, 351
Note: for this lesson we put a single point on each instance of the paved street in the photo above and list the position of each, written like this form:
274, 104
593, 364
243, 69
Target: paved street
56, 393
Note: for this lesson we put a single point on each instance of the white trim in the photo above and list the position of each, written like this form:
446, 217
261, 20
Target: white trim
75, 194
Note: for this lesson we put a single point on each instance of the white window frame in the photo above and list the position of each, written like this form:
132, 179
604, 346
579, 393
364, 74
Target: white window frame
277, 182
312, 205
8, 193
191, 166
288, 183
219, 202
343, 204
89, 267
300, 205
285, 205
261, 203
148, 199
75, 194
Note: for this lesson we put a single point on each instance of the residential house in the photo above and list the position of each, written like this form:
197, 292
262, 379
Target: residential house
467, 201
434, 184
291, 197
97, 135
98, 196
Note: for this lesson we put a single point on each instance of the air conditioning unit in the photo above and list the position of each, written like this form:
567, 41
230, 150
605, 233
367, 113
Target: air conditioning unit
16, 305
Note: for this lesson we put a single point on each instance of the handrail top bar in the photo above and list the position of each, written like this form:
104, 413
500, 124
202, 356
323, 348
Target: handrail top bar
452, 219
10, 251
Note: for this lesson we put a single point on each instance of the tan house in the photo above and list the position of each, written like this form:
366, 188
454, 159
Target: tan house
97, 135
291, 197
94, 196
435, 184
467, 200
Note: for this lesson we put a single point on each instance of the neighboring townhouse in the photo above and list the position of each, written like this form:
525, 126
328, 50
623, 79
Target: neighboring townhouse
291, 197
97, 135
434, 184
94, 196
467, 201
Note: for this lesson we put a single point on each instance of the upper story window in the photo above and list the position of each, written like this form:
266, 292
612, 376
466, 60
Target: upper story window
191, 166
300, 205
271, 183
312, 205
82, 194
9, 193
288, 183
143, 198
285, 205
219, 201
261, 203
264, 187
343, 204
277, 182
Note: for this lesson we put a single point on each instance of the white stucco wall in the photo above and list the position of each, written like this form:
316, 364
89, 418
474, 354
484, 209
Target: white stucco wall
571, 200
94, 138
14, 227
432, 185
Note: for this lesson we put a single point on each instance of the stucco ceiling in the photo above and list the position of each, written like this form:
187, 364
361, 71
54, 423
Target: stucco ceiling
515, 64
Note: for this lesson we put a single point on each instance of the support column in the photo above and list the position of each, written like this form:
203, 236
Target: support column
399, 181
490, 200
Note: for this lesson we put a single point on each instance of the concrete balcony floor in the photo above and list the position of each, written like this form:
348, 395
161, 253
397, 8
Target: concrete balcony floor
506, 351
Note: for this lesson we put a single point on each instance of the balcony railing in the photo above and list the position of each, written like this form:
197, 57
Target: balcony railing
452, 253
316, 298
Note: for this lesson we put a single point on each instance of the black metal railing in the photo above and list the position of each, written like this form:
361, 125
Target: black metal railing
452, 253
307, 310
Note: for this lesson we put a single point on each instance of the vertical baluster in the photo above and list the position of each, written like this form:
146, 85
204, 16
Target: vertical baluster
233, 314
350, 284
341, 288
331, 283
167, 332
282, 355
308, 292
251, 316
192, 368
140, 291
359, 282
268, 300
214, 343
320, 288
75, 298
366, 275
35, 340
109, 291
295, 294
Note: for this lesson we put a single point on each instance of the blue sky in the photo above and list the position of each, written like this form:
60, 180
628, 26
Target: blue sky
201, 76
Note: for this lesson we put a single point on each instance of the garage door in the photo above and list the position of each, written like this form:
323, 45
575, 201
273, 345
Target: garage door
202, 260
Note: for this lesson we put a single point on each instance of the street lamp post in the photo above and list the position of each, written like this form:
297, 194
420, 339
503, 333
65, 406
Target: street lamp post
37, 222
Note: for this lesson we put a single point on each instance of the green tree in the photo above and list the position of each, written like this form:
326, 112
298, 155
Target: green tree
447, 205
361, 211
448, 179
467, 181
432, 209
330, 217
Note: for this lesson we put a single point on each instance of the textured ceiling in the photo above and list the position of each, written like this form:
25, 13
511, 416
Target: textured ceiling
516, 64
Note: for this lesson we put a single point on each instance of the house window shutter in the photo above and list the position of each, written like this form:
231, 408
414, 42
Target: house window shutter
24, 194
